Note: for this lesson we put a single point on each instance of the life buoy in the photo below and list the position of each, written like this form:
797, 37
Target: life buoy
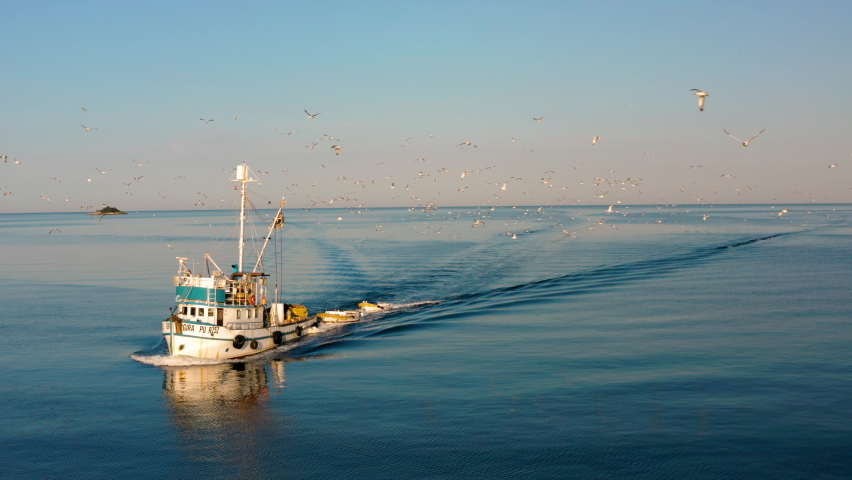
277, 337
253, 344
251, 300
299, 331
239, 341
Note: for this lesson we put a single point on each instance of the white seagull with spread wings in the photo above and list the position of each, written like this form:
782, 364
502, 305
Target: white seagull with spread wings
745, 143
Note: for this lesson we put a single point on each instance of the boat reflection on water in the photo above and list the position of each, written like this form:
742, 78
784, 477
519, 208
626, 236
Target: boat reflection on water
223, 410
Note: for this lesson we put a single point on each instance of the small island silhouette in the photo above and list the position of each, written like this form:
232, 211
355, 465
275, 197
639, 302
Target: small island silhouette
107, 210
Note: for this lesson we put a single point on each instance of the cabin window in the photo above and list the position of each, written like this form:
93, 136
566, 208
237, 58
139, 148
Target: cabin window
192, 311
183, 309
209, 312
238, 314
200, 312
249, 312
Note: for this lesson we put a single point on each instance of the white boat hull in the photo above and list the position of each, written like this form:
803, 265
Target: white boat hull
203, 340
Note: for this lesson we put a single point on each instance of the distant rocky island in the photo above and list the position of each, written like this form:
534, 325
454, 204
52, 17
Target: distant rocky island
107, 210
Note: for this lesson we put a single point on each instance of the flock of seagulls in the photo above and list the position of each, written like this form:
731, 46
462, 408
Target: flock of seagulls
501, 186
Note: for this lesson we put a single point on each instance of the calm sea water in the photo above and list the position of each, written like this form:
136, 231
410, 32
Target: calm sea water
543, 344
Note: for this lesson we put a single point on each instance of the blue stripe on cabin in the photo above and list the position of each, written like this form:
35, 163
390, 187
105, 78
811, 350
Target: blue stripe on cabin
199, 293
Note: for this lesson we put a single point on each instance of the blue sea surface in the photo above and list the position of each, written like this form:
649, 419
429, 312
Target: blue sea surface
556, 342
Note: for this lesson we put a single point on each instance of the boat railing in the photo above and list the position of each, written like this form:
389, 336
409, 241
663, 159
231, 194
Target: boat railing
244, 325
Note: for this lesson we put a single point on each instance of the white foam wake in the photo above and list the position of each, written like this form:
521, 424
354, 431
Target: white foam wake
397, 307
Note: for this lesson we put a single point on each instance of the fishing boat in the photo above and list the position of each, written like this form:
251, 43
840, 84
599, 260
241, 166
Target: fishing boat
232, 315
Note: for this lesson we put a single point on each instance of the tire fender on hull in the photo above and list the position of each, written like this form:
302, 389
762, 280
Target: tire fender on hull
239, 341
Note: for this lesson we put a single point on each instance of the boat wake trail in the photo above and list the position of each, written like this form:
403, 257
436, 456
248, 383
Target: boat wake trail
578, 283
604, 277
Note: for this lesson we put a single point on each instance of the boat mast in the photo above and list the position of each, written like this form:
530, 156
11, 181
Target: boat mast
242, 176
242, 221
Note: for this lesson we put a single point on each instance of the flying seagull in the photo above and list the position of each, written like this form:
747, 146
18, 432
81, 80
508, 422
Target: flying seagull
745, 143
701, 96
87, 128
311, 116
595, 140
206, 121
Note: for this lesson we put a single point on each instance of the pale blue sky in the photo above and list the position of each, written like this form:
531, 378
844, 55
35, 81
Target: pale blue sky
461, 71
